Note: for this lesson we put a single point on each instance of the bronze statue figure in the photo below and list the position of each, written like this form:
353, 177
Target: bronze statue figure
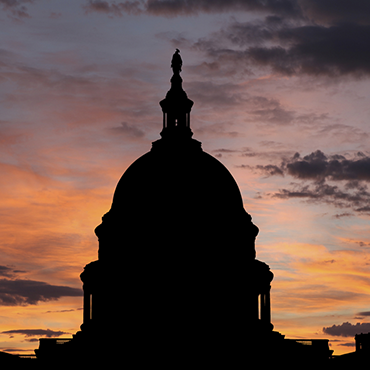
176, 62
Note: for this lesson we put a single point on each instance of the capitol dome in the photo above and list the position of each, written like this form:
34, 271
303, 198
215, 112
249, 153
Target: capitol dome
177, 197
177, 250
187, 174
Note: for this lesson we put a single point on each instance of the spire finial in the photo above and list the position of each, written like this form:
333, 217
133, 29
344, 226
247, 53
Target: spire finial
176, 106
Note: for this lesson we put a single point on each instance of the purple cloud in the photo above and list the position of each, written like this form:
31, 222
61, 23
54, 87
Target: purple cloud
347, 329
36, 332
20, 292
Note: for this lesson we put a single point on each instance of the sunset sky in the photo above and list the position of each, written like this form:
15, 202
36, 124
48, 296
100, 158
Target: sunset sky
281, 92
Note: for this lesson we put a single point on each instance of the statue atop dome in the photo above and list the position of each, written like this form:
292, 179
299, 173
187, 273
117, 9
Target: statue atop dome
176, 62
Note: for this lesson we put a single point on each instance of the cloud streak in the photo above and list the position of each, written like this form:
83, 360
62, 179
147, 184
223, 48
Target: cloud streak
48, 333
20, 292
170, 8
317, 50
317, 11
9, 272
320, 167
347, 330
332, 179
289, 49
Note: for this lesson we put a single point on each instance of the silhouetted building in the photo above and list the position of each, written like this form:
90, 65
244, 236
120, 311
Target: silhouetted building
362, 342
11, 361
360, 358
177, 282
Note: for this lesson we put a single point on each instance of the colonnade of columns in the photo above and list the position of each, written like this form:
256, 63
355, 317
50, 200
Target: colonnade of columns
171, 120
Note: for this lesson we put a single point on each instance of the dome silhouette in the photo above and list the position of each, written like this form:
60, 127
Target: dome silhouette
183, 193
179, 243
186, 175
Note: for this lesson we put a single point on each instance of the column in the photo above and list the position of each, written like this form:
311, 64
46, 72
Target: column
266, 306
87, 308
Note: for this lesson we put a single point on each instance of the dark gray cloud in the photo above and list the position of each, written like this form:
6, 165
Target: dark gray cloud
64, 311
272, 151
16, 350
363, 244
291, 48
170, 7
218, 153
317, 11
113, 8
21, 292
16, 8
347, 330
36, 332
351, 344
316, 38
328, 194
342, 215
9, 272
364, 313
317, 50
317, 166
6, 271
225, 151
331, 11
331, 179
296, 37
173, 8
270, 170
337, 46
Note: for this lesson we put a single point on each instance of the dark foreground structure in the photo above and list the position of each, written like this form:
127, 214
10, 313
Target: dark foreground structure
177, 283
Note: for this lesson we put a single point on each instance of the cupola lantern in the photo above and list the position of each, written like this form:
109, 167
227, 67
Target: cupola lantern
176, 106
